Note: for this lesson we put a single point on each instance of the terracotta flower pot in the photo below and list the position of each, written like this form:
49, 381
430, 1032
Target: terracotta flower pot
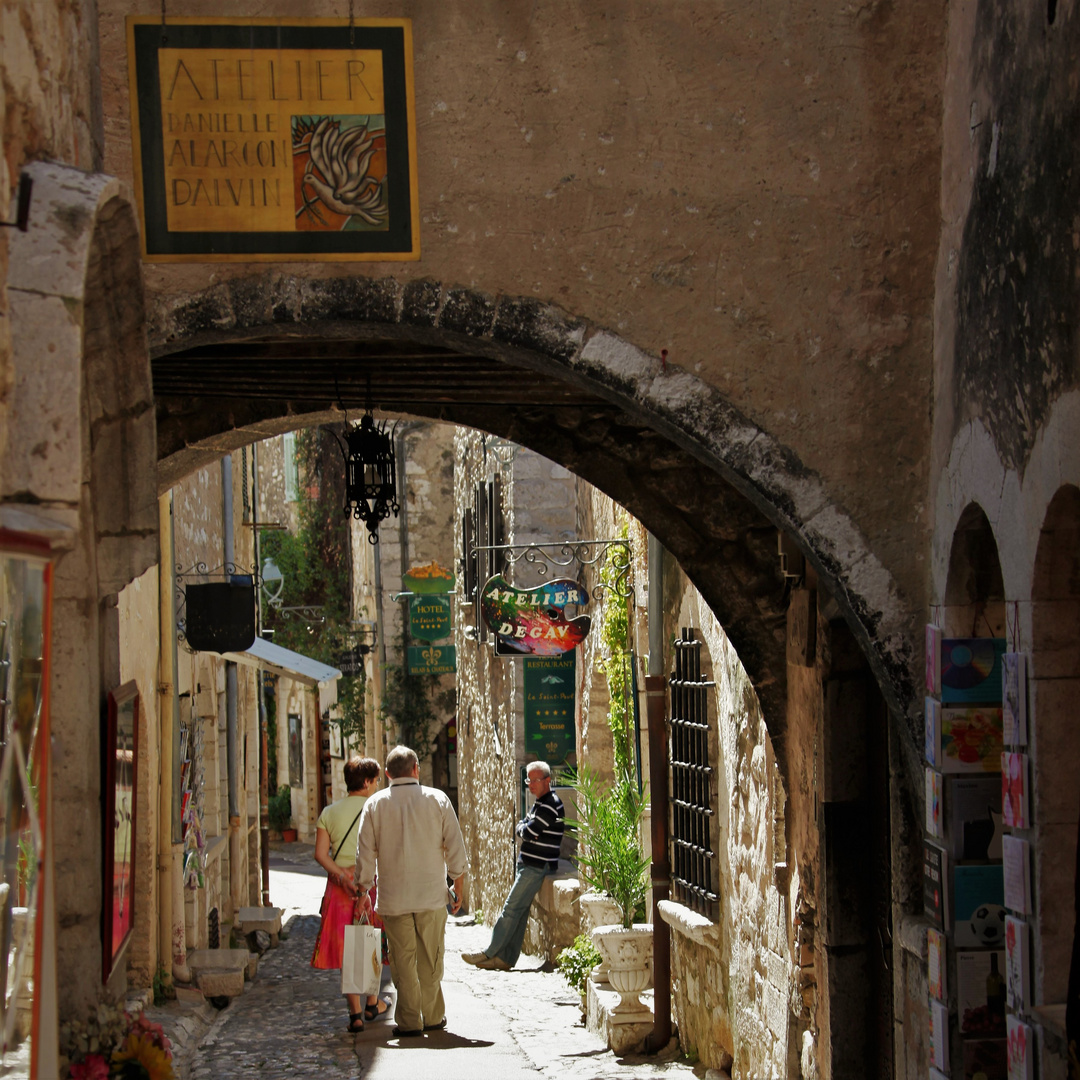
289, 836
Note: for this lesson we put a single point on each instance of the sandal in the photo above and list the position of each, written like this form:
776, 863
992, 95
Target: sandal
354, 1019
376, 1011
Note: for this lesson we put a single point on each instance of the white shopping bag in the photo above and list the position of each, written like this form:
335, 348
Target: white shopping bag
361, 960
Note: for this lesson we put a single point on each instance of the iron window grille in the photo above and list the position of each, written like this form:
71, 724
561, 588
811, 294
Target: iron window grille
694, 870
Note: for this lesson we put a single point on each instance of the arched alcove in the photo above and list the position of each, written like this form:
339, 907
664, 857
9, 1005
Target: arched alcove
974, 591
1055, 749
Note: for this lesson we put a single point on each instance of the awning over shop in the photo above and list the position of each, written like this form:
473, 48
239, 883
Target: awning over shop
286, 663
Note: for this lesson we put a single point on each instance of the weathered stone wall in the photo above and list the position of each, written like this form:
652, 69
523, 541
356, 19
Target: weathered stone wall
51, 109
273, 506
487, 773
735, 993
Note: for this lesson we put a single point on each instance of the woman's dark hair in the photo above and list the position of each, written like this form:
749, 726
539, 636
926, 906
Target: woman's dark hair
359, 770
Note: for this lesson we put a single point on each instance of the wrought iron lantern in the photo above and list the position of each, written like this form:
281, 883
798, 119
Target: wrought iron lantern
370, 474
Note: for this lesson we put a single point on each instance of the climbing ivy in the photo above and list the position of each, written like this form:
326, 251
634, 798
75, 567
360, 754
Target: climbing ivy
315, 565
615, 662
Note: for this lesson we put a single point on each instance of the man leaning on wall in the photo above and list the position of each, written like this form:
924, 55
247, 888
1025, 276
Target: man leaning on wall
541, 832
409, 836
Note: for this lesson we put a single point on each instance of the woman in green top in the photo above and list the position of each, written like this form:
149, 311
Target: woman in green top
335, 852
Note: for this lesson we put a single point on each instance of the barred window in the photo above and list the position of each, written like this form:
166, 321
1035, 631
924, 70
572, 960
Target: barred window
694, 868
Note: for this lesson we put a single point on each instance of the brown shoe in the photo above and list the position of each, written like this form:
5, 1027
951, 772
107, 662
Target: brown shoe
474, 958
493, 963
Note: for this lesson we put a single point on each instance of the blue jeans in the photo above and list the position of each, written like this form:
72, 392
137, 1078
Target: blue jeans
509, 931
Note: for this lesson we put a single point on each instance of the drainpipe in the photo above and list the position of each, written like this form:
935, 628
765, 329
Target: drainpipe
655, 710
172, 929
230, 694
264, 726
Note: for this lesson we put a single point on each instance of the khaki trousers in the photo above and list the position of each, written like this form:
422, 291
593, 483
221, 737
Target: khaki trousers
416, 965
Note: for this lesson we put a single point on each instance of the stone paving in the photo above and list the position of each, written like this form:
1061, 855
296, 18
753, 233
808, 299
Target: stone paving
291, 1019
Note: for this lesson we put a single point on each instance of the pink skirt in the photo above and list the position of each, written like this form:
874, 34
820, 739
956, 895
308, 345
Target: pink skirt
337, 913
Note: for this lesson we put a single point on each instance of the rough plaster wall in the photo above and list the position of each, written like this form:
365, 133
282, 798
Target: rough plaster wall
651, 167
739, 994
139, 636
1008, 298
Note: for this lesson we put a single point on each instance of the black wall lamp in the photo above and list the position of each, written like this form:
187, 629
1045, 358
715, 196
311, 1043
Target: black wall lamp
370, 473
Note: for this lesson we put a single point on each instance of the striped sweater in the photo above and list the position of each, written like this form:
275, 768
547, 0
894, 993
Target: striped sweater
541, 832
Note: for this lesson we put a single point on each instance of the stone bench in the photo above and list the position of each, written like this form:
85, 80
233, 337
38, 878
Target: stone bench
554, 920
221, 972
253, 920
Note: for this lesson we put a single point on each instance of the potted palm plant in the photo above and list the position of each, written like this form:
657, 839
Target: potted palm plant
611, 861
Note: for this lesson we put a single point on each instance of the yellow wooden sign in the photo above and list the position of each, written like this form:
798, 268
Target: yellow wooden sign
262, 139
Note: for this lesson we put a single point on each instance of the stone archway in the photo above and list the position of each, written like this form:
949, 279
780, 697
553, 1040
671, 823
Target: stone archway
79, 452
712, 485
1055, 682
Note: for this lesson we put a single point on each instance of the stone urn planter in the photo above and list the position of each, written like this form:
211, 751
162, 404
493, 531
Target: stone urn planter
628, 953
599, 910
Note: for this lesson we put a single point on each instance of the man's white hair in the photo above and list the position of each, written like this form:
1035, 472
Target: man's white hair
541, 767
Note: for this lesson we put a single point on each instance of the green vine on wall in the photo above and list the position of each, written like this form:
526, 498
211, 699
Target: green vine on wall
614, 662
315, 566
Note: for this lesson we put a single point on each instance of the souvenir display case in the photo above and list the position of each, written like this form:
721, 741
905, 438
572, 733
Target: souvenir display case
25, 614
121, 749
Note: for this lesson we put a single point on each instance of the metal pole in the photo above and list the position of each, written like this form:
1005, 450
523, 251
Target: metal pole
264, 747
655, 702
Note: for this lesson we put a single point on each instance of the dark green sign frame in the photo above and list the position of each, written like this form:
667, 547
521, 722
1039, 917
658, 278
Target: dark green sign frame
550, 706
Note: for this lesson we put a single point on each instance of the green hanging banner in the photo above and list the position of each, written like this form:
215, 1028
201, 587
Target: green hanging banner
432, 659
550, 692
429, 617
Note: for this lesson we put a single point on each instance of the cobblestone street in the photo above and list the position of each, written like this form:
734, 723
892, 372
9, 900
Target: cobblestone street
291, 1019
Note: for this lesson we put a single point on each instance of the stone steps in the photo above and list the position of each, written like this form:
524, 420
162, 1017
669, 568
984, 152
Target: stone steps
221, 972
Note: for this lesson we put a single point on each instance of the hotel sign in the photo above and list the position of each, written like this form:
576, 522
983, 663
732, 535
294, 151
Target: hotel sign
274, 139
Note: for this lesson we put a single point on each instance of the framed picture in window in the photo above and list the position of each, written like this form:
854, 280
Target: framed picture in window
121, 753
336, 748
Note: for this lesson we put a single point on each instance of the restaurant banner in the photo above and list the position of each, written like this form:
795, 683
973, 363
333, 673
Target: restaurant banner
432, 659
550, 687
274, 138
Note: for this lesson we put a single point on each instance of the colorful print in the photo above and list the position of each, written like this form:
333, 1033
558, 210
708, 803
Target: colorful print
534, 620
339, 173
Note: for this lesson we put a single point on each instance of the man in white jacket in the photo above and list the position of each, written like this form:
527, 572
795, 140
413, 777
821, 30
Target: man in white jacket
409, 835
